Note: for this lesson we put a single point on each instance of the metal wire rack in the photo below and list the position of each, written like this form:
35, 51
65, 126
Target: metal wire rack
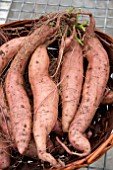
12, 10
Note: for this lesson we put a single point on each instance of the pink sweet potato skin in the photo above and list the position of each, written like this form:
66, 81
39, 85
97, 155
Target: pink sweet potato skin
20, 109
31, 151
71, 82
46, 99
94, 86
9, 50
5, 124
4, 154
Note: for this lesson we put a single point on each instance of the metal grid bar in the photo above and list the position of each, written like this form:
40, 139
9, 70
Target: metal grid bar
11, 10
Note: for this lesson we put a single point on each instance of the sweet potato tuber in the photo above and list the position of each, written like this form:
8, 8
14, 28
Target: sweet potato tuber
5, 124
45, 94
20, 109
96, 78
71, 81
9, 50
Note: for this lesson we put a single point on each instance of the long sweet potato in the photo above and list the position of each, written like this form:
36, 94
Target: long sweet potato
71, 81
20, 110
5, 124
96, 78
9, 50
45, 95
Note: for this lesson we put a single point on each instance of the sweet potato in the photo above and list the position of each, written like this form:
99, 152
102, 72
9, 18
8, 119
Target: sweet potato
96, 78
20, 109
4, 154
71, 81
9, 50
108, 99
45, 95
5, 124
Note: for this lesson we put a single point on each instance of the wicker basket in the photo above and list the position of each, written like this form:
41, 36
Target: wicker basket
102, 140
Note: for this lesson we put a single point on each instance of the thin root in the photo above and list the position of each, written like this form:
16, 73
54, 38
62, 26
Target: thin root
63, 47
61, 51
68, 150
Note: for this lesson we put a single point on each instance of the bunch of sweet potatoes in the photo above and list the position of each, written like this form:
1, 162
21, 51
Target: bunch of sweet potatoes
60, 105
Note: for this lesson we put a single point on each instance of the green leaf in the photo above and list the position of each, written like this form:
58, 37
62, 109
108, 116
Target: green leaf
78, 40
85, 23
77, 19
71, 9
81, 27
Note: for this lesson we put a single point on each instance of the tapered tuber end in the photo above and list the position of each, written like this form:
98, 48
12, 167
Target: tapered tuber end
22, 142
48, 158
21, 148
65, 128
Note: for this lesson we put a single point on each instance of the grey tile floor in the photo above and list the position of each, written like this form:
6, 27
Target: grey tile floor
11, 10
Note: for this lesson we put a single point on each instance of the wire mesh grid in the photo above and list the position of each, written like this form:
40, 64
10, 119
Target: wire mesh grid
4, 10
25, 9
12, 10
